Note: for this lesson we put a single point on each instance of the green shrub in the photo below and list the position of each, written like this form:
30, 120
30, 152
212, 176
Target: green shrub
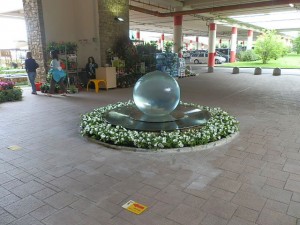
246, 56
45, 88
10, 95
124, 81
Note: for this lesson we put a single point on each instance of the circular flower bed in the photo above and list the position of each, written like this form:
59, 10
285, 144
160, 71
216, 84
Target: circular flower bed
219, 126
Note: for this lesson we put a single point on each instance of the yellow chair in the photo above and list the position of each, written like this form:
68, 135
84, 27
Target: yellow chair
97, 84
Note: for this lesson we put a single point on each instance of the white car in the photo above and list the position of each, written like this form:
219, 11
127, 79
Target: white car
202, 57
186, 55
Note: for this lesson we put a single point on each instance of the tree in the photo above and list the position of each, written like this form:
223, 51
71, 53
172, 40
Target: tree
124, 49
269, 46
147, 53
296, 45
168, 46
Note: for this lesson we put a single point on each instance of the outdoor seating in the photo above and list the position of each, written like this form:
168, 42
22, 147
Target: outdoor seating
97, 84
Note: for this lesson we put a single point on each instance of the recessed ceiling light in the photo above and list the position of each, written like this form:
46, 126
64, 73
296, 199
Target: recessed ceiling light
291, 5
119, 19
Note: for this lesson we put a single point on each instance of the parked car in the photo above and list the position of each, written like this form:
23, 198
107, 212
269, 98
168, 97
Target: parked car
186, 54
203, 58
223, 55
224, 52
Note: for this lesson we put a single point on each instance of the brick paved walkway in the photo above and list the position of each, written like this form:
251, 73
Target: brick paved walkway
60, 178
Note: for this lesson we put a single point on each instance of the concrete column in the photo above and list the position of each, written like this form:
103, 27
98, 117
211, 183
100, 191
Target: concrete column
211, 46
220, 43
177, 34
250, 39
197, 43
33, 14
233, 44
138, 34
111, 31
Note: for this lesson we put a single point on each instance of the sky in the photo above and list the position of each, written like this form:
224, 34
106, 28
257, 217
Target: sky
13, 33
276, 20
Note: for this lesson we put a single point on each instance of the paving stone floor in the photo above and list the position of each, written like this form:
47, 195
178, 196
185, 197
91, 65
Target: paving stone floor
60, 178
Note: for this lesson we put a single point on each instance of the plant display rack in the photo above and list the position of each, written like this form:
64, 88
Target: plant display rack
168, 63
68, 57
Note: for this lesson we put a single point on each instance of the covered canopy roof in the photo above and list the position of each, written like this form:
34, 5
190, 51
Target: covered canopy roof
157, 15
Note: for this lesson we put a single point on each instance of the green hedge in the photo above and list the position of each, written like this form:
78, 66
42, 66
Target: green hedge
10, 95
247, 56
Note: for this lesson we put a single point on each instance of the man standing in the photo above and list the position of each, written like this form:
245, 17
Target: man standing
31, 66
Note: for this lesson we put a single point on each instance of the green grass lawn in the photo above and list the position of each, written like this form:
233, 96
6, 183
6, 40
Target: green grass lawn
291, 61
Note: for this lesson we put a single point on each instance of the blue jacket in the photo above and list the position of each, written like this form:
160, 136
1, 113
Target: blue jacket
31, 65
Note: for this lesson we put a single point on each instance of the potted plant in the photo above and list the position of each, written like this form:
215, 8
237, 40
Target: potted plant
38, 86
72, 89
45, 88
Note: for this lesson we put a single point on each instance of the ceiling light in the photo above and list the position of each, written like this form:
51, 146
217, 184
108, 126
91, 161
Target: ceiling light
119, 19
292, 5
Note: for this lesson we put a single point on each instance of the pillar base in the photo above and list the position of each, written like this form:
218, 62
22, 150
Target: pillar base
210, 69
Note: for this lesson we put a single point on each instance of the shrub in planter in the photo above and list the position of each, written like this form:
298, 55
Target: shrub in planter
10, 95
72, 89
127, 80
6, 85
45, 88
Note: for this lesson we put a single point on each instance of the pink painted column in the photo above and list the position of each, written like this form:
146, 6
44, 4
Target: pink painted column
211, 46
233, 44
138, 35
162, 41
197, 43
177, 34
250, 39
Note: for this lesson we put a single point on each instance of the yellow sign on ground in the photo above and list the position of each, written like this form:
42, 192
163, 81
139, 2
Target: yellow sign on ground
14, 147
134, 207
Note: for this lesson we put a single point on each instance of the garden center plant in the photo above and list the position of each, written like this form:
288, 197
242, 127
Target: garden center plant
8, 92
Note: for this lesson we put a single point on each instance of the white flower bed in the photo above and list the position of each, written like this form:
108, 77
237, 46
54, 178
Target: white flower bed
219, 126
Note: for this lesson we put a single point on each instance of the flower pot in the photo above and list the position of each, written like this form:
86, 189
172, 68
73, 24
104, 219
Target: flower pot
38, 86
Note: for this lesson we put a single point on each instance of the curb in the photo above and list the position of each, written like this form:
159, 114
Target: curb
168, 150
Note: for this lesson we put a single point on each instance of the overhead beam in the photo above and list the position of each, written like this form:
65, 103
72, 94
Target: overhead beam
215, 9
190, 2
172, 3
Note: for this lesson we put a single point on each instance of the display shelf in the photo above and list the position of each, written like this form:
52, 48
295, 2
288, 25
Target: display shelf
70, 65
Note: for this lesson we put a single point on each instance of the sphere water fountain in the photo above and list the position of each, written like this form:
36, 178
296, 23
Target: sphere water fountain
156, 96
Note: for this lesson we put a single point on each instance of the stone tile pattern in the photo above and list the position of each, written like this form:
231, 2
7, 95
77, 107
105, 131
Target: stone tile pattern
58, 177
